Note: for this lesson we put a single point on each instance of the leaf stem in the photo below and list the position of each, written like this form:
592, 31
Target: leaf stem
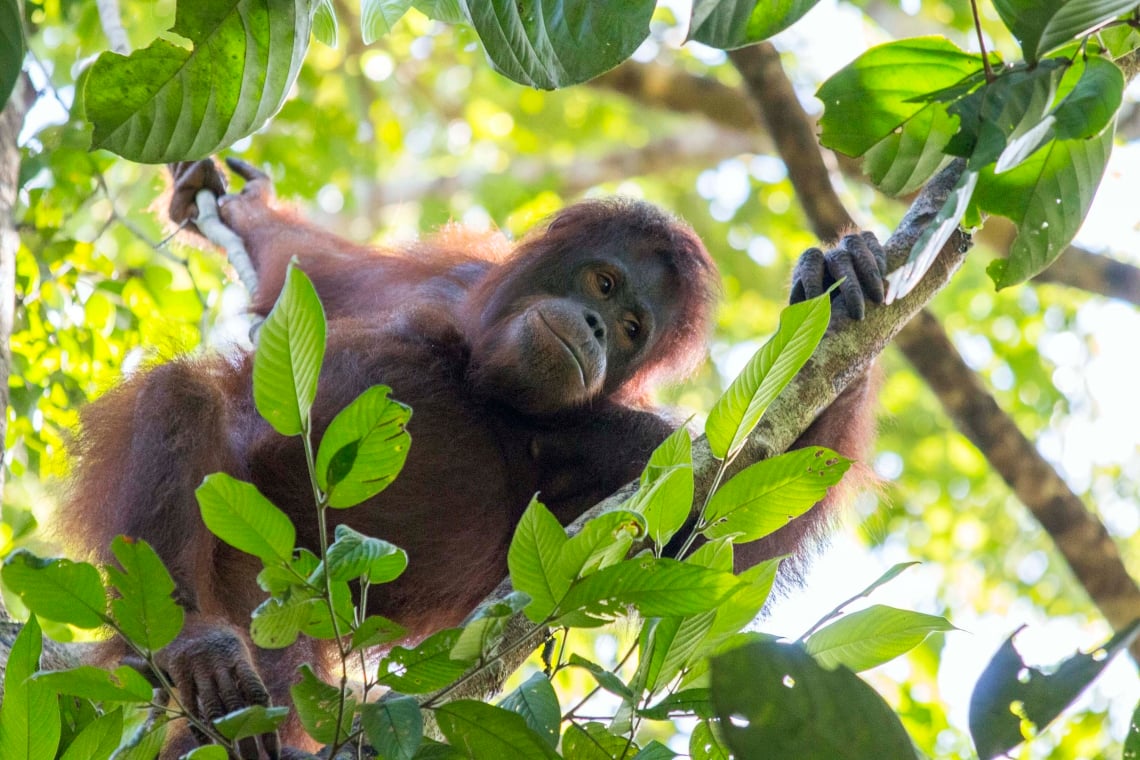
981, 41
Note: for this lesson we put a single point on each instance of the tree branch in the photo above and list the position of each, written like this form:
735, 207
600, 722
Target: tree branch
1094, 273
1077, 533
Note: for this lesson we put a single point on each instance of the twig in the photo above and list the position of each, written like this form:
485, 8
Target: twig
112, 22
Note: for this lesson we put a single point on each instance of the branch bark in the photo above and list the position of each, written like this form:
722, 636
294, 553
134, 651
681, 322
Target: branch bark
1078, 534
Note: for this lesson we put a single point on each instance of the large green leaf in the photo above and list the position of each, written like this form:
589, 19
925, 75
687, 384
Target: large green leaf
237, 513
1094, 100
870, 637
878, 92
318, 708
290, 350
394, 726
1009, 692
1042, 25
763, 497
774, 700
353, 555
484, 628
98, 740
604, 540
145, 609
364, 448
480, 730
426, 667
251, 721
668, 644
557, 43
1003, 120
377, 17
277, 622
537, 703
654, 587
29, 717
902, 161
532, 560
731, 24
11, 47
166, 102
324, 23
1047, 196
735, 414
665, 493
124, 684
57, 589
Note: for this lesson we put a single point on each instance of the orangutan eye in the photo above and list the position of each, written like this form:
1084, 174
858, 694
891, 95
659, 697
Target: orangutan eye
632, 328
604, 282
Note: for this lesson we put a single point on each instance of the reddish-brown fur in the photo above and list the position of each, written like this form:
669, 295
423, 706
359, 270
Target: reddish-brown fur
412, 319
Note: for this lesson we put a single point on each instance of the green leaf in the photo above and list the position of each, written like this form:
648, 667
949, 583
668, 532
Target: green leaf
98, 740
885, 87
1047, 196
729, 24
654, 587
536, 702
320, 623
447, 11
277, 623
324, 24
485, 731
716, 554
666, 646
774, 700
364, 448
425, 668
394, 727
290, 350
557, 43
145, 609
606, 678
123, 684
11, 47
377, 17
1132, 742
870, 637
655, 750
1043, 25
237, 513
317, 704
905, 159
57, 589
1010, 692
592, 741
603, 541
1004, 120
735, 414
665, 494
376, 630
765, 496
171, 103
354, 555
484, 628
688, 702
706, 744
532, 557
29, 716
251, 721
150, 744
1094, 100
745, 604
